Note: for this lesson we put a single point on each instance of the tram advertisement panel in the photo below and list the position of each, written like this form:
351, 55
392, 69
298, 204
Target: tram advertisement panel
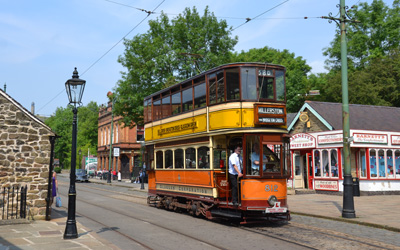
265, 114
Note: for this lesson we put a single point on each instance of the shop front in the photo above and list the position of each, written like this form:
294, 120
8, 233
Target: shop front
317, 161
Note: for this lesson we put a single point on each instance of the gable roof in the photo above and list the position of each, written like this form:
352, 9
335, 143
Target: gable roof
366, 117
24, 110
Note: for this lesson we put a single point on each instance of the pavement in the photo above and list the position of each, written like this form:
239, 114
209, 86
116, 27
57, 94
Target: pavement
381, 211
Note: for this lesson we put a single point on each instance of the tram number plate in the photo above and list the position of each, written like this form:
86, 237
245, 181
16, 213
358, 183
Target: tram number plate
276, 209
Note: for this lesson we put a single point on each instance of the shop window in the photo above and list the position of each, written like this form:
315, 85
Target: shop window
169, 159
372, 162
362, 164
286, 153
159, 160
334, 163
397, 163
179, 158
253, 155
204, 158
381, 160
389, 163
297, 171
317, 163
190, 158
325, 163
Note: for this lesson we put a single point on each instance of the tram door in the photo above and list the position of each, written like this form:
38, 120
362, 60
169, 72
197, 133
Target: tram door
298, 170
310, 171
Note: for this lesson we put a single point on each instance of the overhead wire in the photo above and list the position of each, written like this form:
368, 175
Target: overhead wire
148, 14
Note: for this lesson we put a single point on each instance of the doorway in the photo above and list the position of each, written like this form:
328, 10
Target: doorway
125, 174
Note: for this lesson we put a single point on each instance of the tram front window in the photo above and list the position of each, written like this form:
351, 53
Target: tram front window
272, 162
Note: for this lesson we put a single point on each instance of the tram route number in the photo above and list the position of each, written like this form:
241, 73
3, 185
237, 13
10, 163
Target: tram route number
271, 188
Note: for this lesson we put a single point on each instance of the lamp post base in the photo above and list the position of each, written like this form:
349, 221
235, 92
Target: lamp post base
348, 199
70, 231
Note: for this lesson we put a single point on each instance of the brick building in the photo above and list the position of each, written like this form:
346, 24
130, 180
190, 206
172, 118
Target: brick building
126, 139
25, 152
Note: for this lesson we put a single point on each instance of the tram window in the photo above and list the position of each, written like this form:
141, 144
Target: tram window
176, 103
159, 160
280, 85
272, 163
166, 107
200, 97
232, 84
219, 159
204, 158
147, 110
213, 90
190, 158
146, 119
169, 158
187, 99
157, 110
179, 158
249, 83
220, 87
266, 87
253, 155
317, 163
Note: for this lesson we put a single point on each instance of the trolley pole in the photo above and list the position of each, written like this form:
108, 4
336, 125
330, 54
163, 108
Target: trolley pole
348, 198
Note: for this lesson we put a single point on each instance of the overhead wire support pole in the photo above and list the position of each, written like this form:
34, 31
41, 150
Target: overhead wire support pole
348, 198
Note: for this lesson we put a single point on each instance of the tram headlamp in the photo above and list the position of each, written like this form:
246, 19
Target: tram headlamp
272, 199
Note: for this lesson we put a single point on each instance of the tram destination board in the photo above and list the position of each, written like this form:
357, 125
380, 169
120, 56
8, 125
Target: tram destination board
265, 114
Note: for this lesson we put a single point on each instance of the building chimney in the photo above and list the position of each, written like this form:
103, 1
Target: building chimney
33, 108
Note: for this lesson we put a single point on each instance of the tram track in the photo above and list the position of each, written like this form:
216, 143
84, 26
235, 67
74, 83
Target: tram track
297, 234
138, 219
301, 234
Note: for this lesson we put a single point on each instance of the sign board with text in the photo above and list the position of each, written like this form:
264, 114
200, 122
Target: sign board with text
265, 114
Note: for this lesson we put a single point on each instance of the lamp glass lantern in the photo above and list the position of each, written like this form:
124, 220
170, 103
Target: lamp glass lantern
75, 88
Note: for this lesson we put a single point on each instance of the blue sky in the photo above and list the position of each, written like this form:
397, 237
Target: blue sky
42, 41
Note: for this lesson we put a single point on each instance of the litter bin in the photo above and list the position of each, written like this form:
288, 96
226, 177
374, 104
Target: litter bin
356, 186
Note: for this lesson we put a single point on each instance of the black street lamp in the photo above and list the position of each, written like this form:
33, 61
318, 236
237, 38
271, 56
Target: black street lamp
74, 87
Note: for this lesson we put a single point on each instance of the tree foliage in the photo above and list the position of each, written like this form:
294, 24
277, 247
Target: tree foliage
171, 50
375, 36
296, 71
61, 124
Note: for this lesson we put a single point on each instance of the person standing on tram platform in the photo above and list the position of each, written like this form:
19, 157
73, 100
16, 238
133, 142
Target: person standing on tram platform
235, 172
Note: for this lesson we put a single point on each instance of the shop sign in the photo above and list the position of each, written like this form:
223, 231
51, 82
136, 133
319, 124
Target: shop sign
395, 139
302, 141
370, 138
330, 139
326, 185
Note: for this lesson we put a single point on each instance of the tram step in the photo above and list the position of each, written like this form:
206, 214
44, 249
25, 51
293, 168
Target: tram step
226, 213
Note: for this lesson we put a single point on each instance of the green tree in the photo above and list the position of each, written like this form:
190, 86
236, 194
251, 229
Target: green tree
296, 72
61, 124
375, 36
171, 50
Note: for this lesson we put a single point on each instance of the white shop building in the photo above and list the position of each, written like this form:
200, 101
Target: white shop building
317, 143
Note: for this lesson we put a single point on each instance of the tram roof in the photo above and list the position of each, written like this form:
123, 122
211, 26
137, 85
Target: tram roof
228, 65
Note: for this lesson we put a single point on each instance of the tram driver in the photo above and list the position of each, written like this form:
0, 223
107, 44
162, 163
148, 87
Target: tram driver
235, 172
255, 160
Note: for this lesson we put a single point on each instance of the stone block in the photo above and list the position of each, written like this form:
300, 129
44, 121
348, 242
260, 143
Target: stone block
39, 203
24, 179
32, 196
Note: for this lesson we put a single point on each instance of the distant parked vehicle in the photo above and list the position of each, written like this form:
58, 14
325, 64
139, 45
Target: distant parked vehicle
81, 175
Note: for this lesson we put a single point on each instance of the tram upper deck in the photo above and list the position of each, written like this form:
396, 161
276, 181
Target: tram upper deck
247, 97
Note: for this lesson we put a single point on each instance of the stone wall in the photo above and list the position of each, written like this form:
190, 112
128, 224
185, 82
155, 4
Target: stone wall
24, 154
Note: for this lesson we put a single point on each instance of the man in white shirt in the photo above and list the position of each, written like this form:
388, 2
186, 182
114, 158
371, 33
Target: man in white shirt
235, 172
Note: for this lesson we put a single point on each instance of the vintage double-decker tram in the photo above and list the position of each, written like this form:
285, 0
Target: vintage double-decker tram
192, 127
